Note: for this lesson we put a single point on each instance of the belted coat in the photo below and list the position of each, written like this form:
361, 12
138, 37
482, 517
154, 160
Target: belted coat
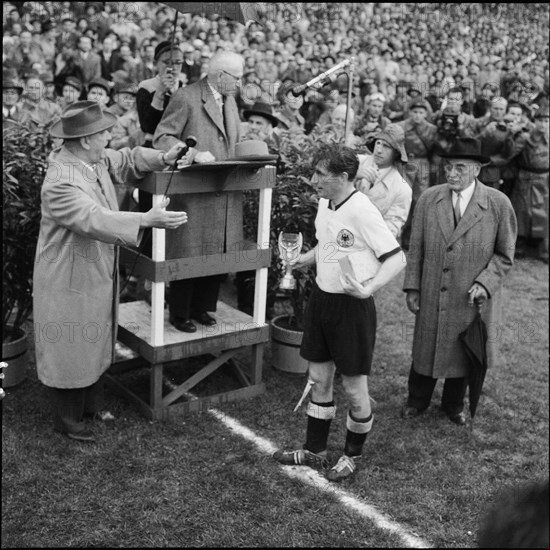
443, 262
75, 293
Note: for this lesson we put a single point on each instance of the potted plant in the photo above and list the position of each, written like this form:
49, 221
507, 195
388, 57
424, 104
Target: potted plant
24, 163
294, 207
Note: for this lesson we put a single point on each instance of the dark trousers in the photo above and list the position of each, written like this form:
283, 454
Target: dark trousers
70, 405
192, 296
421, 388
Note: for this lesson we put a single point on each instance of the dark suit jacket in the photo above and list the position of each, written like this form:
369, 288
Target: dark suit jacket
215, 219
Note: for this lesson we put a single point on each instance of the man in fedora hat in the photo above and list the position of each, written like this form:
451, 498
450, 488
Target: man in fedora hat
379, 177
260, 122
75, 276
461, 248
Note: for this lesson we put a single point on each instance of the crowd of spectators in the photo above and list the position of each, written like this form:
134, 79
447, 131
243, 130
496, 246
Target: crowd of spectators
478, 70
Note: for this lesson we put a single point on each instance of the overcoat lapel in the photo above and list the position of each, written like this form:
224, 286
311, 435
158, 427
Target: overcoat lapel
211, 107
473, 212
445, 214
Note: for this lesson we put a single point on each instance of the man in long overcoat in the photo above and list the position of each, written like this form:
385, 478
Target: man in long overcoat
208, 111
75, 281
461, 248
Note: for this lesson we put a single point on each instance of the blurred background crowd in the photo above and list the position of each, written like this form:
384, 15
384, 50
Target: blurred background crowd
439, 70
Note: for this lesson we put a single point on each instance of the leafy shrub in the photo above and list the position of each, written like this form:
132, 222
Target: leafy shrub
24, 164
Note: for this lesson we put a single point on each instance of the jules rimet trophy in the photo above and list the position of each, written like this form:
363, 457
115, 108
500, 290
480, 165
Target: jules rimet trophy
290, 247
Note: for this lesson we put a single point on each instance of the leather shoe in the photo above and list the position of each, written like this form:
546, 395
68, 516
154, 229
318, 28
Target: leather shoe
185, 325
458, 419
410, 412
204, 319
85, 436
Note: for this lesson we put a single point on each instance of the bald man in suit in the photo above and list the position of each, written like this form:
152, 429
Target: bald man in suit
208, 111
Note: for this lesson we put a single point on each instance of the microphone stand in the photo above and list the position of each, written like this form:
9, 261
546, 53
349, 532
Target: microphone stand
349, 73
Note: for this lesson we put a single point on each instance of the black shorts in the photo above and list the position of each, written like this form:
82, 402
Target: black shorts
341, 328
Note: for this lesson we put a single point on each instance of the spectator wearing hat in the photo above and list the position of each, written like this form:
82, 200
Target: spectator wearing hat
153, 95
461, 249
88, 61
530, 192
419, 142
379, 177
37, 110
79, 207
124, 98
99, 90
260, 122
372, 121
418, 92
12, 91
71, 92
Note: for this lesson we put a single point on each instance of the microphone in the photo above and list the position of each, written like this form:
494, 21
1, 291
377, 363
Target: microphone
298, 90
190, 141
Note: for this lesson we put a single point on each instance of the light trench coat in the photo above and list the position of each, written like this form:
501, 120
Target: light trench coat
75, 294
443, 262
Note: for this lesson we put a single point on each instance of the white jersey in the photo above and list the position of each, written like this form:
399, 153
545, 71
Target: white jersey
355, 225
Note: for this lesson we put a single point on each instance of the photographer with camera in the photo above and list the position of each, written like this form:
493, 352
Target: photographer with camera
492, 132
451, 124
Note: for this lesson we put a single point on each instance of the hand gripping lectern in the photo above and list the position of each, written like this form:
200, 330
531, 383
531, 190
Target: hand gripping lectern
207, 245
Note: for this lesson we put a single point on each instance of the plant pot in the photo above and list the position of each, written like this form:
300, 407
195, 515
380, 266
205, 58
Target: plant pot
285, 348
14, 353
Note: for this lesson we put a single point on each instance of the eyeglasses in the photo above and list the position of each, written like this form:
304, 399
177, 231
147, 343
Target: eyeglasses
460, 168
237, 78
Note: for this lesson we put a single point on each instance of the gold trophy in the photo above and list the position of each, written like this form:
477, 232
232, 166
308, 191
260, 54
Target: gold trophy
290, 247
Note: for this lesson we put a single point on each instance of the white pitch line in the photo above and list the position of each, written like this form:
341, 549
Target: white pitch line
313, 478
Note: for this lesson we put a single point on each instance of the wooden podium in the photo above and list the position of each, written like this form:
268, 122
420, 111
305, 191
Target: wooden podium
145, 329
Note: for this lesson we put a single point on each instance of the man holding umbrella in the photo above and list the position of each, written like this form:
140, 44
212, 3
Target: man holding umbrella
461, 248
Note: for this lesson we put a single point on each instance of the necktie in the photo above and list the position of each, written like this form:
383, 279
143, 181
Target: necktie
457, 209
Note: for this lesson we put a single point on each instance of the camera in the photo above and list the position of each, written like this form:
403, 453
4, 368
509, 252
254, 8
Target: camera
448, 124
502, 126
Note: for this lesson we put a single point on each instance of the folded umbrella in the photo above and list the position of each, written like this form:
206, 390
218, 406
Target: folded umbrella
474, 342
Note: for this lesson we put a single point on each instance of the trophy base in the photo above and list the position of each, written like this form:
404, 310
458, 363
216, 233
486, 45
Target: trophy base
287, 283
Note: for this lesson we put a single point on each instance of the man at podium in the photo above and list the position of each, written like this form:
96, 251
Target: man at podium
208, 111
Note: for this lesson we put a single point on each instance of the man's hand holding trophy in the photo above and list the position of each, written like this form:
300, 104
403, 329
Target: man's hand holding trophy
290, 248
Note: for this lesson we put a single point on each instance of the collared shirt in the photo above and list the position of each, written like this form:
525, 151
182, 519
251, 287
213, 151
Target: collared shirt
218, 97
465, 197
9, 113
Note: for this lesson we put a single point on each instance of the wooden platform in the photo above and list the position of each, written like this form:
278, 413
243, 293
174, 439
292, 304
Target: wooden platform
234, 333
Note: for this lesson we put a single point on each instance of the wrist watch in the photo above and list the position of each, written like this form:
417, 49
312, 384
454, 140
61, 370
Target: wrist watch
163, 158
